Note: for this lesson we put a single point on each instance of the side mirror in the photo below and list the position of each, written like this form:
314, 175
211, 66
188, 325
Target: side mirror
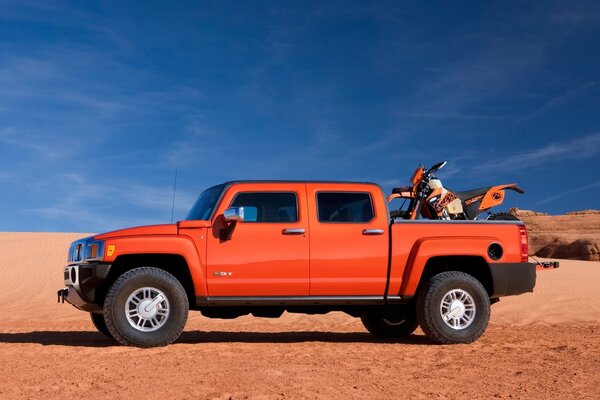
234, 214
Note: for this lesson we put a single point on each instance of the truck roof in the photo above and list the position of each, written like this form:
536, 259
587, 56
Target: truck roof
297, 181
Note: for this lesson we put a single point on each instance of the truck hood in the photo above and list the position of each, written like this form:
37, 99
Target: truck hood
165, 229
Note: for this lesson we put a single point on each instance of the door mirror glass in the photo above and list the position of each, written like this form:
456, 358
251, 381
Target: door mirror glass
250, 214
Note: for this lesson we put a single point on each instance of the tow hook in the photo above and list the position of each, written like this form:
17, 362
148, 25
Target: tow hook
62, 295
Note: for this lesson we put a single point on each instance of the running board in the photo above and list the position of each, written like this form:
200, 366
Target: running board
225, 301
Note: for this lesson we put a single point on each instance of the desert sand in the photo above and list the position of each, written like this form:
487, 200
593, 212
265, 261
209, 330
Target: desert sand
538, 345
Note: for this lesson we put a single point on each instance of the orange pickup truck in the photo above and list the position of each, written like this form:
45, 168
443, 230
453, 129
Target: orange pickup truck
265, 247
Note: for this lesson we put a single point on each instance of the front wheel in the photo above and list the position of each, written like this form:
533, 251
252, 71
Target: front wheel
146, 307
453, 307
400, 321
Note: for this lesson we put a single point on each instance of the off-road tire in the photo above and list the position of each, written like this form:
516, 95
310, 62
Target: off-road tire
399, 322
128, 283
502, 217
429, 300
100, 325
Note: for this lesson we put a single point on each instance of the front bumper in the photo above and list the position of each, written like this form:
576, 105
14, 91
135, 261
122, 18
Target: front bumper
512, 278
71, 296
83, 282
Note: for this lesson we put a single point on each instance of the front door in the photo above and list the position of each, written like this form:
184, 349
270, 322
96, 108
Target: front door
268, 253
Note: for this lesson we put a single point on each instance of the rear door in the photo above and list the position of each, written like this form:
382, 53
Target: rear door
349, 239
266, 255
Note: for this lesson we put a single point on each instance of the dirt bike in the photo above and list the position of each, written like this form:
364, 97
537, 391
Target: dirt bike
430, 199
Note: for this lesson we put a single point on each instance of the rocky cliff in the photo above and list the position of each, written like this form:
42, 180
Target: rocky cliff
574, 235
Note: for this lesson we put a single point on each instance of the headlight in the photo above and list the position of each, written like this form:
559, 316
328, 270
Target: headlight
86, 249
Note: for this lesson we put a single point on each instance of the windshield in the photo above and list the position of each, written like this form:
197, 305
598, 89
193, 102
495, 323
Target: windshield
205, 204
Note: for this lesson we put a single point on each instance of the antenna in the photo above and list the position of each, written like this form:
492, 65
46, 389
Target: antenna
174, 188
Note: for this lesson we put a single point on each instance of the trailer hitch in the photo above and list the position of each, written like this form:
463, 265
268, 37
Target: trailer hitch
541, 265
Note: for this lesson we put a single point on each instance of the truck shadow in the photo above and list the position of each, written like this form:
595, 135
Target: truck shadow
94, 339
292, 337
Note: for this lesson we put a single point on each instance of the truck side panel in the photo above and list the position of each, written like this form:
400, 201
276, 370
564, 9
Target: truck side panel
414, 243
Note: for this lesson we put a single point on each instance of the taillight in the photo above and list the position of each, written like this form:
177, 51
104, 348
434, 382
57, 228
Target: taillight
523, 242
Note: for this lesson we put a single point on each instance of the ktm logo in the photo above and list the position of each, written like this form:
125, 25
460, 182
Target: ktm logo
439, 207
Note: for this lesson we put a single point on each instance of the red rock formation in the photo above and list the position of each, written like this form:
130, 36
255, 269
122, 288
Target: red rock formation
575, 235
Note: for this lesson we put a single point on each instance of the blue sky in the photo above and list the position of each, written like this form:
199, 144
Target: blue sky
101, 102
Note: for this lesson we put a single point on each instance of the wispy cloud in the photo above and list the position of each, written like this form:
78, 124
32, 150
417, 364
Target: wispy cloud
40, 145
104, 205
569, 95
578, 148
456, 89
569, 193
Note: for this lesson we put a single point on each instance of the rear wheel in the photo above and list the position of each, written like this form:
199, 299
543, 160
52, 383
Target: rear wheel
502, 217
400, 321
100, 325
453, 307
146, 307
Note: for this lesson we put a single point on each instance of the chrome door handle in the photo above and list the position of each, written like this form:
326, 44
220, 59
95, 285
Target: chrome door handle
293, 231
373, 231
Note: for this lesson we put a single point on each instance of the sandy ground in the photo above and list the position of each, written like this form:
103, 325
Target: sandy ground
539, 345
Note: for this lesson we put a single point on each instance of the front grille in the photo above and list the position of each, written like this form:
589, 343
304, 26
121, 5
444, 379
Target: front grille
77, 255
86, 249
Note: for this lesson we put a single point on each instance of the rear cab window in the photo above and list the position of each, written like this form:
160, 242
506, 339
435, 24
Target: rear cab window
267, 207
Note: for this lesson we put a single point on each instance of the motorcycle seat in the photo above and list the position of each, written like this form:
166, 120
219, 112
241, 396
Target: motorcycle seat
469, 194
401, 189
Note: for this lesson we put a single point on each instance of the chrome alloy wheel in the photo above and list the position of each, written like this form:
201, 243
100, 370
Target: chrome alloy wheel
147, 309
458, 309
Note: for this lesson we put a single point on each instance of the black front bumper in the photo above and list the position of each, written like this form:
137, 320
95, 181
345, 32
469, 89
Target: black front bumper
84, 285
512, 278
71, 296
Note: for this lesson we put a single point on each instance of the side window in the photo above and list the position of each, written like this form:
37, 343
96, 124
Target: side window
344, 207
267, 206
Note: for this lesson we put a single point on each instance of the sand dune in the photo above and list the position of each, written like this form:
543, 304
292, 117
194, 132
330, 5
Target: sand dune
539, 345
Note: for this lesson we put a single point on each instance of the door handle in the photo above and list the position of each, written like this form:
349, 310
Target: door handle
293, 231
370, 232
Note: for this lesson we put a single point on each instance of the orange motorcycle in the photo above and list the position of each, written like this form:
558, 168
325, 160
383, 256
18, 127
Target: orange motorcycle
430, 199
